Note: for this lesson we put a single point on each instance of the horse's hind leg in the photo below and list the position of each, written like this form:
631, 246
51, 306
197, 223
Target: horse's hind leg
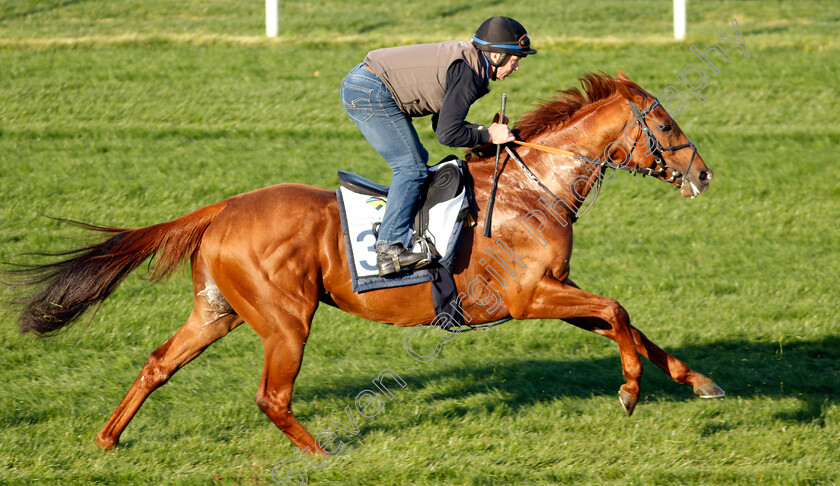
283, 357
281, 317
211, 319
284, 330
673, 367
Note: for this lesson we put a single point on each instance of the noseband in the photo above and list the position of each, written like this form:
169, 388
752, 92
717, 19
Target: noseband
656, 148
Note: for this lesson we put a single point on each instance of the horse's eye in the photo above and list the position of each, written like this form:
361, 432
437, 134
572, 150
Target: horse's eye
665, 128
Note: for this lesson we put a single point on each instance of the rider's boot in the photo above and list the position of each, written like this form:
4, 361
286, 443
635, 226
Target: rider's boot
391, 259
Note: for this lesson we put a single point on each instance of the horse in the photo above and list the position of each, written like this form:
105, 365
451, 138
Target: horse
269, 257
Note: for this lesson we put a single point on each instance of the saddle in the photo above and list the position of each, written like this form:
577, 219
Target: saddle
440, 215
444, 183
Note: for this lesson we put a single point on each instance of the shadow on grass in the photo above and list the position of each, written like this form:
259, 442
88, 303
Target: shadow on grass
808, 371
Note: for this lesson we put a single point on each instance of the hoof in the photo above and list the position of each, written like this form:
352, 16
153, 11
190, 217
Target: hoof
628, 401
105, 444
709, 390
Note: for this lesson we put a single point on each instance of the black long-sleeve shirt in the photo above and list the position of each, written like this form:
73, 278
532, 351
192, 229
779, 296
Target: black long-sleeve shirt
463, 88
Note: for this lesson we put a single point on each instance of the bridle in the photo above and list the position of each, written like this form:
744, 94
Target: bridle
656, 148
658, 170
660, 167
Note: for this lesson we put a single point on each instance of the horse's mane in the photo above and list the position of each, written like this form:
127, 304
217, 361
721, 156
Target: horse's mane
596, 87
553, 113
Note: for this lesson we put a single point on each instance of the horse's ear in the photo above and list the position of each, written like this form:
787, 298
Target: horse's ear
622, 76
623, 90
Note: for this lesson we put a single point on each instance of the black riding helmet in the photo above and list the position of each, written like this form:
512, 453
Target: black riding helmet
503, 35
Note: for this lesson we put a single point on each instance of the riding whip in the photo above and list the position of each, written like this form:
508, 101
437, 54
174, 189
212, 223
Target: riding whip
489, 218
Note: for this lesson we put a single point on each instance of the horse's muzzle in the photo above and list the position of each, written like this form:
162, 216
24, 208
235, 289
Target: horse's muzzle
695, 184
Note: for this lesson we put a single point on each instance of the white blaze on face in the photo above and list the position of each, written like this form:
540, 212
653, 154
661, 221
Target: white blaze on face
694, 189
689, 189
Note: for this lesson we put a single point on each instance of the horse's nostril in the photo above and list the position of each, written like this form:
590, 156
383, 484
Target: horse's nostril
705, 175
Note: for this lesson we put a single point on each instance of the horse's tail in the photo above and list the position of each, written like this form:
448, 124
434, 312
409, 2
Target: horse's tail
69, 287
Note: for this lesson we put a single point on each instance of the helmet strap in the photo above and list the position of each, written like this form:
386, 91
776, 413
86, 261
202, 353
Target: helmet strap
494, 66
502, 59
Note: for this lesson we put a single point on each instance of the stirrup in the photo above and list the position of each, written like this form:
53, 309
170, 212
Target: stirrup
397, 258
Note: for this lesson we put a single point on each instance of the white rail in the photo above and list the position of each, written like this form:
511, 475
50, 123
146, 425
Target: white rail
679, 19
271, 18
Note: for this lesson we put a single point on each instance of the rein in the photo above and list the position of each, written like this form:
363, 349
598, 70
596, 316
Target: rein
604, 165
658, 170
653, 143
607, 164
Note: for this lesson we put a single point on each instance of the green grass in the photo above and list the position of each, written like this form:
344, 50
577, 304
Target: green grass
133, 113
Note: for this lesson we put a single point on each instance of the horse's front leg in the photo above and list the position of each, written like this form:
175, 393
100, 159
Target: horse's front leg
680, 372
553, 299
675, 368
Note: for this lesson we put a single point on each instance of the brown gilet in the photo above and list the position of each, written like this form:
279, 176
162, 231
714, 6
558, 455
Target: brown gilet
416, 74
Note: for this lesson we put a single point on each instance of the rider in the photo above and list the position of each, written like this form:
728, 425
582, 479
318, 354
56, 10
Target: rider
393, 85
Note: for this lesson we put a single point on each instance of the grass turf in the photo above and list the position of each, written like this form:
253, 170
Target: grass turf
134, 114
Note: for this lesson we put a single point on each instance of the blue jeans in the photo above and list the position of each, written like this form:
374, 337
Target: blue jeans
389, 131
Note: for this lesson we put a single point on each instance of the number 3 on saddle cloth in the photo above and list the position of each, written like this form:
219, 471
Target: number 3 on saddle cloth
443, 208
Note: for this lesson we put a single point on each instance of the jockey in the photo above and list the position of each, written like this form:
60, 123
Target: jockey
393, 85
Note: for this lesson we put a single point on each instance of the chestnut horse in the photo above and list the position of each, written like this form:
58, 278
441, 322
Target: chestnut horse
268, 257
